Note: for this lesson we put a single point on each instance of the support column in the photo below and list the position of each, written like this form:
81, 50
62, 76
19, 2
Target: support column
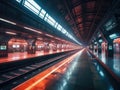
110, 50
4, 46
59, 46
46, 45
31, 46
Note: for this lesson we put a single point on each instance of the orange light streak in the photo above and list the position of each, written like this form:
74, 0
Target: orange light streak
31, 83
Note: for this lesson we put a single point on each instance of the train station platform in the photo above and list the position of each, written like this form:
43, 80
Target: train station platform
78, 72
60, 45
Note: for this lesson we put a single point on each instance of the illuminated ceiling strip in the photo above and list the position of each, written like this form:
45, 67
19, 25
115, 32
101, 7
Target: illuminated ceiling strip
12, 33
4, 20
33, 30
58, 38
50, 20
48, 35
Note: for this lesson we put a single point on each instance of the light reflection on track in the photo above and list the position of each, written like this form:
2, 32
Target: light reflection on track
40, 81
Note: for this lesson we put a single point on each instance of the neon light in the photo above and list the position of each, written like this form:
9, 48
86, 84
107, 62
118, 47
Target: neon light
18, 1
100, 40
42, 13
35, 8
63, 31
101, 73
95, 42
56, 24
59, 27
48, 35
32, 6
12, 33
4, 20
33, 30
113, 36
110, 24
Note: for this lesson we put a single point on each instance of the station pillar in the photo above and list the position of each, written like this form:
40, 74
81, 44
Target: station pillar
46, 45
31, 46
110, 50
99, 49
4, 46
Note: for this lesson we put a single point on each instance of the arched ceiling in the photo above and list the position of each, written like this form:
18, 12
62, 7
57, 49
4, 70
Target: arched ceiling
81, 17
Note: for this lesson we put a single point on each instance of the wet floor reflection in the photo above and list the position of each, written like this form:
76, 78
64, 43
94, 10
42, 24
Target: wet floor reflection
104, 58
51, 75
116, 64
102, 76
112, 63
66, 78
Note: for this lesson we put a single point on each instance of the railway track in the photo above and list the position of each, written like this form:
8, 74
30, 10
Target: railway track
14, 76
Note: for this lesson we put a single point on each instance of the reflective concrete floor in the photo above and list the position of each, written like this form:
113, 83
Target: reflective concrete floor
78, 72
112, 63
23, 55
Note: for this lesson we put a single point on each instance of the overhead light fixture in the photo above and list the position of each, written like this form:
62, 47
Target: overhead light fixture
35, 8
12, 33
48, 35
99, 35
100, 40
95, 42
113, 36
33, 30
58, 38
4, 20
